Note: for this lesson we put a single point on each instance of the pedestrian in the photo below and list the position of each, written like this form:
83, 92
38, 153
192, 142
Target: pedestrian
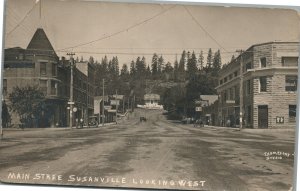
76, 121
81, 123
228, 123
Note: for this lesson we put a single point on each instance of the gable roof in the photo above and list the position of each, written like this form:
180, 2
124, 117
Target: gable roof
210, 98
40, 42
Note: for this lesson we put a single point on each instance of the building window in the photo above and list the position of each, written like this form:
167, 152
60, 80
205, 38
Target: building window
225, 96
249, 114
53, 87
263, 62
43, 68
221, 82
54, 69
43, 86
228, 94
248, 66
290, 83
21, 56
292, 113
230, 76
235, 73
290, 61
263, 83
248, 87
231, 94
4, 87
225, 79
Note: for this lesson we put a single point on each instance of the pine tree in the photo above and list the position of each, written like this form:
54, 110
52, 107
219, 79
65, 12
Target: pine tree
209, 59
201, 61
143, 66
154, 66
160, 64
124, 70
104, 66
91, 60
176, 70
124, 73
116, 66
168, 71
181, 67
132, 69
217, 61
192, 66
148, 72
110, 68
232, 58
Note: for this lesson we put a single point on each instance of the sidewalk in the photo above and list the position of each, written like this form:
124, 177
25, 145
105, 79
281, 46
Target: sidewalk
274, 132
253, 130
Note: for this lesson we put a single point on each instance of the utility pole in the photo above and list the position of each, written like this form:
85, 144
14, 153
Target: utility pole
117, 105
128, 106
123, 101
103, 102
241, 89
40, 9
1, 127
71, 102
133, 102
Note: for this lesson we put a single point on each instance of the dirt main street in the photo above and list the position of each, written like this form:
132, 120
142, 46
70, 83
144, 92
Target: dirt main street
157, 153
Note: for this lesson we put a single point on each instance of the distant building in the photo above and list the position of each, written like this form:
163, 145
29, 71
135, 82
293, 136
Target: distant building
109, 114
209, 108
269, 72
152, 101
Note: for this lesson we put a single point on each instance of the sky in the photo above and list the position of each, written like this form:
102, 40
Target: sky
130, 30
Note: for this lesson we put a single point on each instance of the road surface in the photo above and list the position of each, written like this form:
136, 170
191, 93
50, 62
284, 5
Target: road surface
157, 153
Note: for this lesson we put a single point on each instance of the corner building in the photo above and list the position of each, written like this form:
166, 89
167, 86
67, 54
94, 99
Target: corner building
38, 65
269, 76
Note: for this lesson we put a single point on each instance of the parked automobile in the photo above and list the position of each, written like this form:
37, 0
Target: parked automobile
188, 120
199, 123
143, 119
93, 121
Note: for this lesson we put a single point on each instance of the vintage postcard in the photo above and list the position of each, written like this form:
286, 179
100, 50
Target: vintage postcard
159, 96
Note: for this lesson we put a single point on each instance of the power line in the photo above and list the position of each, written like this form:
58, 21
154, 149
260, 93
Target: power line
195, 20
122, 53
121, 31
164, 48
135, 53
15, 20
27, 14
129, 53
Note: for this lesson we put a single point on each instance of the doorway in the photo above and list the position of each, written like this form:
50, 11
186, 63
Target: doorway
263, 116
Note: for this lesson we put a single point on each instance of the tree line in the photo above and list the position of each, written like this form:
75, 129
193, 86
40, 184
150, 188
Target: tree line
190, 76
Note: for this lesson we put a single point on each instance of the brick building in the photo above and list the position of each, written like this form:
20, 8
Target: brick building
83, 89
38, 65
269, 73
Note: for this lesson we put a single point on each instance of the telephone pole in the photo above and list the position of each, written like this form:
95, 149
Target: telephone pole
103, 103
241, 89
71, 101
117, 104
